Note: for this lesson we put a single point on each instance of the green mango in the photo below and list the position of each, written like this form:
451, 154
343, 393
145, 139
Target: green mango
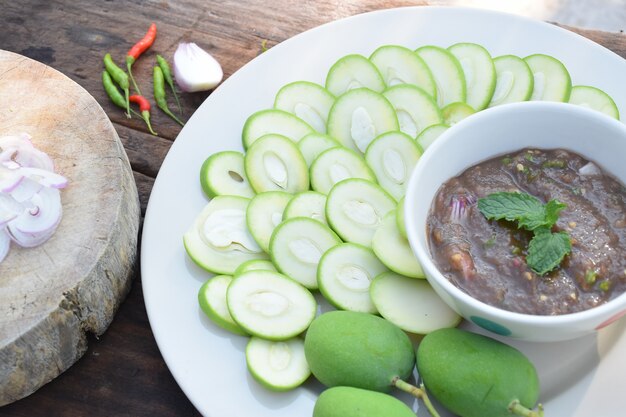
357, 402
477, 376
345, 348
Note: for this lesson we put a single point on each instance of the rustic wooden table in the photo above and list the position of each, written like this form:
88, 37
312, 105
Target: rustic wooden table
123, 372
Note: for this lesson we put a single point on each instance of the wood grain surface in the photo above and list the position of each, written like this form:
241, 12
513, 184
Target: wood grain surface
122, 373
53, 294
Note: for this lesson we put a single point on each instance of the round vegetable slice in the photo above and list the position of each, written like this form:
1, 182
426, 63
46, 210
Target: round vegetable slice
275, 121
393, 249
355, 208
255, 265
392, 156
455, 112
360, 115
337, 164
344, 276
275, 163
313, 144
212, 300
297, 246
551, 80
218, 240
306, 100
353, 71
400, 218
223, 174
400, 65
446, 71
307, 204
277, 365
479, 72
430, 134
270, 305
265, 212
591, 97
415, 109
514, 80
411, 304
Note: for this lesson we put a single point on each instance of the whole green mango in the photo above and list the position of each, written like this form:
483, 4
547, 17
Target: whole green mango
345, 348
477, 376
357, 402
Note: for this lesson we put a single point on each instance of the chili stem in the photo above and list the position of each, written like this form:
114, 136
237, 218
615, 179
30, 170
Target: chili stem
132, 79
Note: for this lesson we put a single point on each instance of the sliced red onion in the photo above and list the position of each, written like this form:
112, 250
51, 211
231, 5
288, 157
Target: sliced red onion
41, 215
21, 150
589, 169
25, 190
22, 140
9, 180
459, 205
5, 243
43, 177
9, 209
195, 69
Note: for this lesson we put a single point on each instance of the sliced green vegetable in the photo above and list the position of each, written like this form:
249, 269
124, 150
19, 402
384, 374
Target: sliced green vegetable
514, 80
277, 365
551, 80
455, 112
313, 144
479, 72
353, 71
223, 173
306, 100
447, 72
264, 214
275, 121
415, 109
212, 300
338, 164
594, 98
393, 249
307, 204
430, 134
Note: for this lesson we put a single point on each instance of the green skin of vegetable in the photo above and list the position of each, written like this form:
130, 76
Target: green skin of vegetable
360, 350
120, 77
356, 402
114, 94
476, 376
167, 75
159, 94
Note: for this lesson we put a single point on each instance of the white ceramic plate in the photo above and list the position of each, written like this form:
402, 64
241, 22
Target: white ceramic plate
579, 378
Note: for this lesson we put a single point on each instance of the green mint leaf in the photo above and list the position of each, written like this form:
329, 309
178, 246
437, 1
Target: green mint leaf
552, 209
546, 251
512, 206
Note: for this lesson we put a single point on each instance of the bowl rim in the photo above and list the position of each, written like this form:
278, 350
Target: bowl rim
603, 312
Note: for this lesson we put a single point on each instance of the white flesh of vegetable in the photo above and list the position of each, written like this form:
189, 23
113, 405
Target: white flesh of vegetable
335, 165
344, 276
393, 249
297, 246
307, 204
278, 365
264, 213
270, 305
411, 304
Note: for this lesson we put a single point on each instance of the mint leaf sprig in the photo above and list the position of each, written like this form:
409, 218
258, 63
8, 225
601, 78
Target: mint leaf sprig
546, 250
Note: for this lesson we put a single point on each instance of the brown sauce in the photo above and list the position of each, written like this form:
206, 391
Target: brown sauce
486, 259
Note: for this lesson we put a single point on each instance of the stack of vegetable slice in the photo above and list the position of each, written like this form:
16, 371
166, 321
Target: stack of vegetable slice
315, 203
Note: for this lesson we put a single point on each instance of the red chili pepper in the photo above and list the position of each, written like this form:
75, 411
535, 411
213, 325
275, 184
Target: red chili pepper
144, 108
138, 49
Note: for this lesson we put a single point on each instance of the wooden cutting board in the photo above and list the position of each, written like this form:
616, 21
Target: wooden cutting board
52, 295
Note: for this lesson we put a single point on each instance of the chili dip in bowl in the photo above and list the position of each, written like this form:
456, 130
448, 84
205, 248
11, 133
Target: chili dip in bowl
518, 218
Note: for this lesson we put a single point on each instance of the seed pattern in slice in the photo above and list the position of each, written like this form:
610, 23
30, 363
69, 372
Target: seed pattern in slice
275, 121
297, 246
338, 164
313, 144
551, 80
416, 110
212, 300
307, 204
353, 71
479, 72
219, 240
514, 80
392, 156
306, 100
264, 213
270, 305
277, 365
223, 174
447, 73
355, 208
399, 65
344, 276
360, 115
275, 163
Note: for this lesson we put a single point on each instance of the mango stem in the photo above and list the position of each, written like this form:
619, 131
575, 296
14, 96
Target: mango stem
518, 409
419, 393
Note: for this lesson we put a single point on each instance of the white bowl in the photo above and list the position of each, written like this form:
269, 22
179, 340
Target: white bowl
494, 132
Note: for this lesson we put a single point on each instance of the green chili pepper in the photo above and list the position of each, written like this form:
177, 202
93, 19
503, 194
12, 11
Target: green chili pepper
120, 77
159, 94
167, 74
114, 94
